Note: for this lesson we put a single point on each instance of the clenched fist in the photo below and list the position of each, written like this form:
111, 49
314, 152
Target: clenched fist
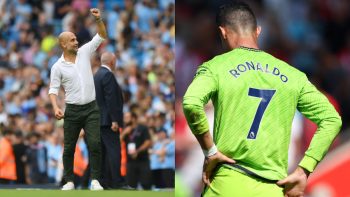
59, 113
96, 13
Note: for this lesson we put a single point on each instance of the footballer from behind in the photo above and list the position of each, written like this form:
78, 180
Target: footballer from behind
255, 97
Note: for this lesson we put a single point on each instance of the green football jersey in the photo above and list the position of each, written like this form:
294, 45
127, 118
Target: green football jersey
255, 96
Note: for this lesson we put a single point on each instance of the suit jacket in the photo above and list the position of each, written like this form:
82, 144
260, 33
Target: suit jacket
109, 97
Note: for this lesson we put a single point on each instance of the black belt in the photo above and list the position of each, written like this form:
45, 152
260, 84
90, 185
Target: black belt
249, 173
84, 106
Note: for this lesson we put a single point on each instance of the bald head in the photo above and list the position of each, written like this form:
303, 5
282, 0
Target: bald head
64, 37
68, 42
108, 59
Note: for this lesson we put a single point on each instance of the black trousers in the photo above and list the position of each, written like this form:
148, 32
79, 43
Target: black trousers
77, 117
139, 171
169, 178
164, 178
111, 158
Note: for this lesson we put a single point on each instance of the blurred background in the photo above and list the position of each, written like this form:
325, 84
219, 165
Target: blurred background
313, 36
142, 35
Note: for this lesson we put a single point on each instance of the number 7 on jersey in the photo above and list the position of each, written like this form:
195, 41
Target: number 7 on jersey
266, 96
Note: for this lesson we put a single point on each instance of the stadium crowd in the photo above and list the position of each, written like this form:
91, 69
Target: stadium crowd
142, 35
313, 36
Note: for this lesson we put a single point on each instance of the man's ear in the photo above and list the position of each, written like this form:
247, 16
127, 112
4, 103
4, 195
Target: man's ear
258, 31
223, 32
63, 45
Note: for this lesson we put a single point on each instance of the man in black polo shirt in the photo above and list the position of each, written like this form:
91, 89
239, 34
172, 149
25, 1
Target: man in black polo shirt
138, 142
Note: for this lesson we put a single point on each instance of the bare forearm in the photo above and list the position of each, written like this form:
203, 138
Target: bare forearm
122, 135
125, 132
205, 140
53, 99
146, 145
101, 29
58, 112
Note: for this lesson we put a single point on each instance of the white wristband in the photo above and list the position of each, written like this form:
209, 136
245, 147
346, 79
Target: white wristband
212, 151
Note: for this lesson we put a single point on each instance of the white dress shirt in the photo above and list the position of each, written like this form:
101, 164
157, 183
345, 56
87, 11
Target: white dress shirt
76, 78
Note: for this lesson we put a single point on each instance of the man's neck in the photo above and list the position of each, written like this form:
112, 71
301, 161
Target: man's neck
244, 42
69, 57
105, 66
236, 41
248, 44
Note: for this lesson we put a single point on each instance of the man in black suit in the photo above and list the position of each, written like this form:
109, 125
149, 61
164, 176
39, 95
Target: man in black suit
110, 101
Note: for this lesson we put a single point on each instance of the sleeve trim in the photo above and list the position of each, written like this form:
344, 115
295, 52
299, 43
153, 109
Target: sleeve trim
308, 163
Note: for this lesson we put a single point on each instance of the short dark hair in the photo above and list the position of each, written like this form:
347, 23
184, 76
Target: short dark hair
133, 115
236, 16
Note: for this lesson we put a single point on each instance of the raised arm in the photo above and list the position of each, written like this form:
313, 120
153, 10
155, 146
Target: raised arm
101, 29
101, 35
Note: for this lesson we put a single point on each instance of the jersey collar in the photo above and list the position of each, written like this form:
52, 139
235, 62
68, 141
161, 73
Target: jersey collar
249, 49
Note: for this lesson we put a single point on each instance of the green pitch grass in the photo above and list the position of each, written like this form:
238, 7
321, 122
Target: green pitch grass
83, 193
